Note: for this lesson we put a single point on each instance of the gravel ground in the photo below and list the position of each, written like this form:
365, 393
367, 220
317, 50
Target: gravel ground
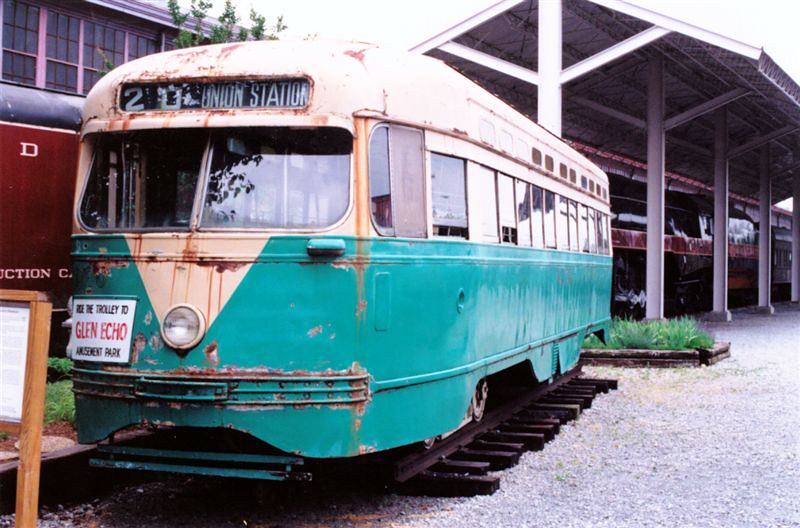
716, 446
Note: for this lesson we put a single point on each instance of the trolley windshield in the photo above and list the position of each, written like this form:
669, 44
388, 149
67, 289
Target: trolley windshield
254, 178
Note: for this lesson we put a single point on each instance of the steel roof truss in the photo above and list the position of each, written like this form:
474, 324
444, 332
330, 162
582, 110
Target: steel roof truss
612, 53
763, 140
704, 108
490, 61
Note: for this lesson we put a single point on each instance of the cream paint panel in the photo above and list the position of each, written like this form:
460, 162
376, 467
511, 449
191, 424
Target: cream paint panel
200, 270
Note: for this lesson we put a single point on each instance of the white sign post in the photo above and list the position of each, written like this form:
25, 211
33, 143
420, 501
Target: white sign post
24, 338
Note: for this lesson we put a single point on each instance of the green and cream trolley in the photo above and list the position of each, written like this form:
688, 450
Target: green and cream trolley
327, 246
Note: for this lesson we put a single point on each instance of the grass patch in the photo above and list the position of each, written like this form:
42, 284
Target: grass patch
59, 403
59, 369
682, 333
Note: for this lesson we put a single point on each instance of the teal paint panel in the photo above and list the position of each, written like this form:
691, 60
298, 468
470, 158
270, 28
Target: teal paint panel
425, 320
383, 301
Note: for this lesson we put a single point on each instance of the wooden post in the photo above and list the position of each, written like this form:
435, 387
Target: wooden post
32, 422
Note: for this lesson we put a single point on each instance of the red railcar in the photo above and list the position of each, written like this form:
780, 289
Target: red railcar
688, 237
38, 161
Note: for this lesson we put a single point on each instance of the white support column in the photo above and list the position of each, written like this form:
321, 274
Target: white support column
655, 189
550, 34
720, 285
796, 238
764, 235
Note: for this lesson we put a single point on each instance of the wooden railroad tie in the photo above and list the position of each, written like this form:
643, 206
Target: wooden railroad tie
465, 471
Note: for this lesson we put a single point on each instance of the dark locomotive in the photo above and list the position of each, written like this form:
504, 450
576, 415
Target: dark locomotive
688, 235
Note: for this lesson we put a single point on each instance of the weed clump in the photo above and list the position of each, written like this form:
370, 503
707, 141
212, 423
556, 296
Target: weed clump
682, 333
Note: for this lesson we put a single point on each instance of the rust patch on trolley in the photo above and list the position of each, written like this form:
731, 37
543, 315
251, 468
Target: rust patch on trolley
211, 351
104, 267
139, 344
357, 54
221, 266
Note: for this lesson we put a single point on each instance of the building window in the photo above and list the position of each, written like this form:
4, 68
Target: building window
524, 213
506, 206
63, 36
449, 196
562, 170
573, 177
103, 49
20, 42
549, 164
591, 186
584, 182
139, 46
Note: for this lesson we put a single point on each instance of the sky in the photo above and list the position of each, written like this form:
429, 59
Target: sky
768, 24
771, 24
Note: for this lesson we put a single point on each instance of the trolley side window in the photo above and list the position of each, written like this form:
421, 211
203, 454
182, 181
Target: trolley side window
562, 223
278, 178
583, 228
482, 194
143, 180
506, 205
573, 226
524, 213
398, 201
549, 219
449, 196
380, 187
537, 220
592, 227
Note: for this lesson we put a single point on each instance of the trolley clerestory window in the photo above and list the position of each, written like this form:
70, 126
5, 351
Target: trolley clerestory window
264, 178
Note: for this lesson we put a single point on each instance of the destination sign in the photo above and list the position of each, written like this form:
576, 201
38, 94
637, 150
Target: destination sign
274, 93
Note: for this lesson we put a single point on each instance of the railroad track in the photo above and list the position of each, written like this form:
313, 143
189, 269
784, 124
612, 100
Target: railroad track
460, 464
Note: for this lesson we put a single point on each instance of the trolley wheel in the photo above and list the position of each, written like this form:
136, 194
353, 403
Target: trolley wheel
428, 442
479, 400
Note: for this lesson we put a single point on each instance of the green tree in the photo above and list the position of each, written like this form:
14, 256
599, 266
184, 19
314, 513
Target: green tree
190, 25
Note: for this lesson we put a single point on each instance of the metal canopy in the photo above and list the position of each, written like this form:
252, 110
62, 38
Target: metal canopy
606, 46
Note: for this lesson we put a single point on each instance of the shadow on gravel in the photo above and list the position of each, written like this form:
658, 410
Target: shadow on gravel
360, 499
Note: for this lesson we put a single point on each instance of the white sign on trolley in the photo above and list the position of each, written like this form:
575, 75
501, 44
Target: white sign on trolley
101, 329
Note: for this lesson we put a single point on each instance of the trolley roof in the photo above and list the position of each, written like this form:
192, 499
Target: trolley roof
347, 79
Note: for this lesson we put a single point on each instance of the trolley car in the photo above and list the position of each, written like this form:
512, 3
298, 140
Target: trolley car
327, 246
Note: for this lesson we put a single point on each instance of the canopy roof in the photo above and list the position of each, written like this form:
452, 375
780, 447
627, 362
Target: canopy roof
605, 108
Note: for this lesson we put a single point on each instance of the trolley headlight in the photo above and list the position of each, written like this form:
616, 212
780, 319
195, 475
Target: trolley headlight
183, 326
